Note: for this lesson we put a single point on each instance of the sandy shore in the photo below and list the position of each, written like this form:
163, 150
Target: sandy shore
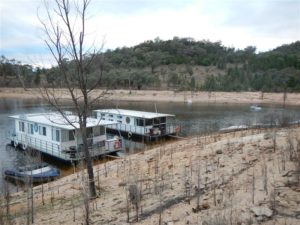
170, 96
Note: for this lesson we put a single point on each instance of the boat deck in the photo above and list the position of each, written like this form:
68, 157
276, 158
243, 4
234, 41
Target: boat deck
70, 155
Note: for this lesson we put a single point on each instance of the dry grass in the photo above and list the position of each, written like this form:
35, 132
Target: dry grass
166, 179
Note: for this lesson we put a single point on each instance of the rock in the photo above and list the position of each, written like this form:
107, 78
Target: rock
260, 211
219, 151
175, 219
204, 206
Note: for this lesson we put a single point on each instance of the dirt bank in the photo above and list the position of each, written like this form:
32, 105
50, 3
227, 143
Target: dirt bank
245, 177
171, 96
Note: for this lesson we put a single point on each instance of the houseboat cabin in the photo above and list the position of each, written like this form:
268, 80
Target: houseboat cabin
138, 123
59, 136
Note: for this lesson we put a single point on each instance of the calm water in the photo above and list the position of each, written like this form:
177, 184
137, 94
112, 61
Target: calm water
193, 118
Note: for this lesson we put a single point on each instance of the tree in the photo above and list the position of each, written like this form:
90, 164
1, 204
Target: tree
65, 31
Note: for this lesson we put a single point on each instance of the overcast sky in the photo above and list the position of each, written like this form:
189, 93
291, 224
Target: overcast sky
265, 24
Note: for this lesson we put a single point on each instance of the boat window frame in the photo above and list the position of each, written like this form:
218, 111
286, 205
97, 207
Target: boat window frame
71, 135
147, 122
102, 116
102, 130
96, 131
156, 121
140, 122
42, 130
30, 128
21, 126
57, 135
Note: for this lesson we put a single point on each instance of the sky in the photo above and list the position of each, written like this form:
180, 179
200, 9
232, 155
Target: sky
265, 24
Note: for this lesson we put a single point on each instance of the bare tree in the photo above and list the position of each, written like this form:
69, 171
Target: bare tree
7, 199
65, 30
253, 186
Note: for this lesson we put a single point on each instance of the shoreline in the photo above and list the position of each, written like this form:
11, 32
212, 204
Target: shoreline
234, 166
292, 99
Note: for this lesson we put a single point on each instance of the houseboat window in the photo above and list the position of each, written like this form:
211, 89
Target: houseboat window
42, 131
111, 115
102, 116
57, 136
149, 122
127, 119
119, 117
96, 131
71, 135
21, 126
102, 130
119, 121
140, 122
30, 129
163, 120
156, 120
64, 135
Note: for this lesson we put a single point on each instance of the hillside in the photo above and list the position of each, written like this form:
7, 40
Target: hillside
245, 177
180, 64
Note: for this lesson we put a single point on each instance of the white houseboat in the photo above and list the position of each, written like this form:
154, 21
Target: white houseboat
59, 136
139, 123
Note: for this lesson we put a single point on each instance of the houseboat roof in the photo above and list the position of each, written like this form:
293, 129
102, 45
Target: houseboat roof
134, 113
57, 120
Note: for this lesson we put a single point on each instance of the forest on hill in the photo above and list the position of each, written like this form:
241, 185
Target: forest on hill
177, 64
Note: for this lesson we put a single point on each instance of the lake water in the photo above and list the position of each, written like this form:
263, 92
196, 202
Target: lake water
193, 118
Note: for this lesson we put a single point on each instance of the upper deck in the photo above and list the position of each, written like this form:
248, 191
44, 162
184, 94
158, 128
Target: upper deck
66, 122
134, 113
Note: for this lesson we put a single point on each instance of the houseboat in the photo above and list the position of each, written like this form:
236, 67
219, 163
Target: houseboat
138, 123
59, 136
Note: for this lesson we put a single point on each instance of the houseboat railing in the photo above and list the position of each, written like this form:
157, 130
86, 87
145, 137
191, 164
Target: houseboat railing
160, 129
70, 153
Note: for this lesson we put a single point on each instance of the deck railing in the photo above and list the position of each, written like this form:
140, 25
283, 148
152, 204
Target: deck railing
164, 130
74, 153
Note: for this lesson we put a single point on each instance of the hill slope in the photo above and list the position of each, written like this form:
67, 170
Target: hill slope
181, 64
245, 177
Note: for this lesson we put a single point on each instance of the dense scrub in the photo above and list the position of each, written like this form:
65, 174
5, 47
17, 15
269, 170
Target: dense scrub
180, 63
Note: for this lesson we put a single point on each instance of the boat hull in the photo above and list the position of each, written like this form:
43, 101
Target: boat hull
35, 176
